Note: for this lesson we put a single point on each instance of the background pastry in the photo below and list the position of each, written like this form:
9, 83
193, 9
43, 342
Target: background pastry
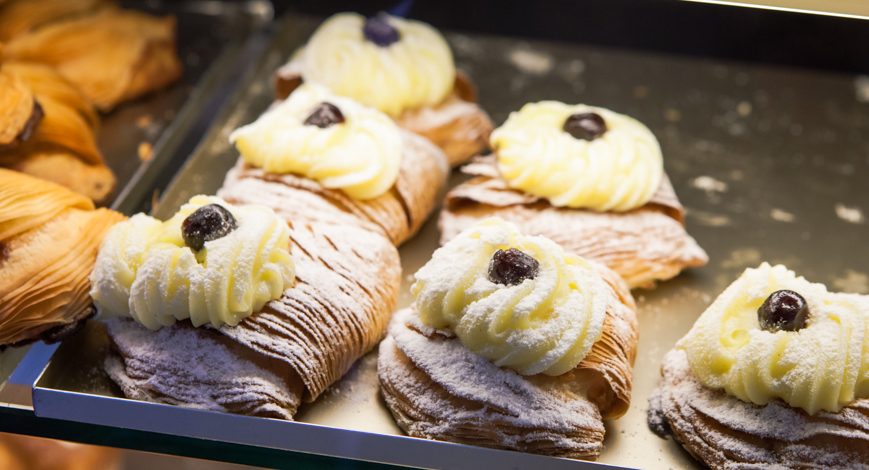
773, 373
50, 238
402, 67
338, 162
511, 343
588, 178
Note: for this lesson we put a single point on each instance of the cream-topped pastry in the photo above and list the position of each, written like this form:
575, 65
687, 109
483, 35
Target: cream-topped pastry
212, 263
390, 63
579, 156
520, 301
334, 140
772, 334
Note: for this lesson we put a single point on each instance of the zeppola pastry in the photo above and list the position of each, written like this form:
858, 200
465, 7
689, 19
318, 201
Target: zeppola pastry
319, 156
49, 238
511, 343
775, 373
590, 179
402, 67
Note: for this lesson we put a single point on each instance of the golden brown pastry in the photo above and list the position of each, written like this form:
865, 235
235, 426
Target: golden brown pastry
588, 178
60, 145
49, 238
112, 55
22, 16
511, 343
34, 453
402, 67
774, 374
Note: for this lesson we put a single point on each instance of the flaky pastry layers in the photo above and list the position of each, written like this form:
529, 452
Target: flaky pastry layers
437, 389
457, 125
725, 432
49, 237
347, 280
398, 213
643, 245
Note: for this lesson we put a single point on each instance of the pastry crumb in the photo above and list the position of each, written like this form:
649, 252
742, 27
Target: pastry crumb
709, 184
850, 214
861, 88
529, 61
144, 121
781, 215
145, 151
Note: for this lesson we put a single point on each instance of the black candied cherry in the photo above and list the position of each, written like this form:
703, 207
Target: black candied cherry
205, 224
783, 310
585, 126
511, 267
378, 30
324, 115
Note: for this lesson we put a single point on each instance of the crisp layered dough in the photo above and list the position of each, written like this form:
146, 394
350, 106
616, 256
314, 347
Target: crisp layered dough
398, 213
644, 245
724, 432
111, 56
347, 281
49, 238
21, 16
457, 124
437, 389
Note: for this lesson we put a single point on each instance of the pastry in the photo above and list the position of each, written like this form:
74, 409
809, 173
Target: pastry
49, 238
588, 178
774, 374
112, 55
268, 338
319, 156
19, 17
19, 452
56, 140
401, 67
511, 343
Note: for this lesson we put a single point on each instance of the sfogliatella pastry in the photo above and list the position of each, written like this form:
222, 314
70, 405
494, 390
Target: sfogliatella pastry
50, 131
227, 307
18, 17
320, 156
401, 67
112, 55
49, 238
588, 178
511, 343
774, 374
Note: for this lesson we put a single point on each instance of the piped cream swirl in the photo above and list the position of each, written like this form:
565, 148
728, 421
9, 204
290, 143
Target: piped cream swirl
823, 366
618, 171
146, 272
361, 156
546, 325
415, 71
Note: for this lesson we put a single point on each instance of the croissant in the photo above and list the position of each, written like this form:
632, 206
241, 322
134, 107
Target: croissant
60, 144
643, 245
438, 389
49, 237
112, 55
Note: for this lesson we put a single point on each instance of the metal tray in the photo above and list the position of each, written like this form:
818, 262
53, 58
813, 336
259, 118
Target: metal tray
770, 162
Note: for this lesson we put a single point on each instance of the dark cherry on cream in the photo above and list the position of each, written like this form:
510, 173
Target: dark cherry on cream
783, 310
324, 115
205, 224
511, 267
585, 126
378, 30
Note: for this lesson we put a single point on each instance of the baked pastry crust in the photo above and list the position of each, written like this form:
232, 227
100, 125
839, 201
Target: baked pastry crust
724, 432
49, 238
347, 280
398, 213
457, 125
22, 16
643, 245
437, 389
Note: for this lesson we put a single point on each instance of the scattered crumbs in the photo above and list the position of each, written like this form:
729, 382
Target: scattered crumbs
144, 121
641, 91
743, 108
529, 61
850, 214
742, 258
709, 219
146, 151
672, 115
853, 282
861, 87
781, 215
709, 184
